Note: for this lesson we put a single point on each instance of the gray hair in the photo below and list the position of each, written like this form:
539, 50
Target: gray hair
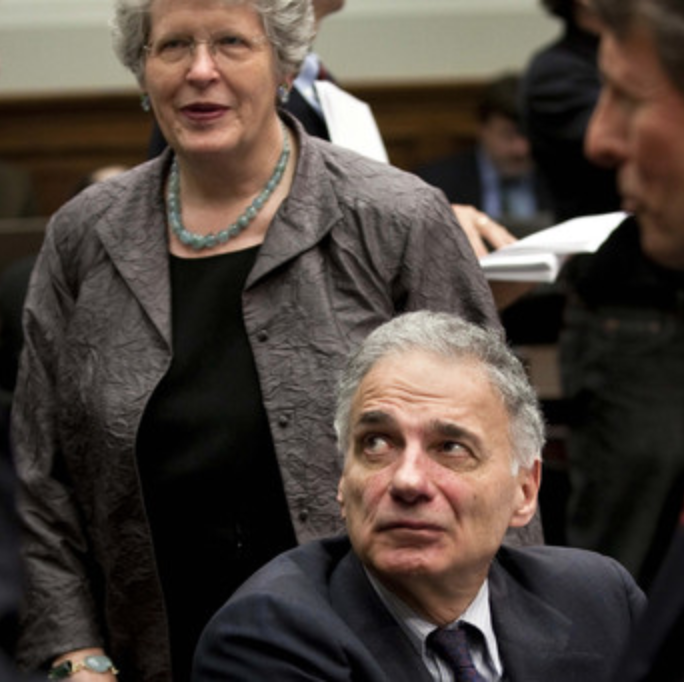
289, 26
665, 20
450, 337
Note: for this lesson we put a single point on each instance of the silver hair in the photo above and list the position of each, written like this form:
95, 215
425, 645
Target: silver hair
289, 26
665, 20
449, 337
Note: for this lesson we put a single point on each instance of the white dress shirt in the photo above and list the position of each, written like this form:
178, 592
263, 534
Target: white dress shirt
485, 653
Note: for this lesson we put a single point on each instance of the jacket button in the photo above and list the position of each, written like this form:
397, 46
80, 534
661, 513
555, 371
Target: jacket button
262, 336
283, 420
303, 515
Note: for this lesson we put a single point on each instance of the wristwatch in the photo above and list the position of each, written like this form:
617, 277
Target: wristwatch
96, 664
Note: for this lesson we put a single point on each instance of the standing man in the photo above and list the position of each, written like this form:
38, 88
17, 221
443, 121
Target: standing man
622, 348
496, 175
441, 433
638, 128
303, 102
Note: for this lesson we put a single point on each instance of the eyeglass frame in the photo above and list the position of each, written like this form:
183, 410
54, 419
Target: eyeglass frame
189, 50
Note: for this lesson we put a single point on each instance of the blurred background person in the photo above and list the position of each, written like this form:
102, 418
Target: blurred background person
18, 198
560, 88
184, 325
497, 175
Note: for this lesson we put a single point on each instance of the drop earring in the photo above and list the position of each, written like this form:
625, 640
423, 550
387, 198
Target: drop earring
145, 102
283, 93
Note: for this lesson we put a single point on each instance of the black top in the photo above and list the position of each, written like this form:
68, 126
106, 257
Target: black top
210, 477
619, 274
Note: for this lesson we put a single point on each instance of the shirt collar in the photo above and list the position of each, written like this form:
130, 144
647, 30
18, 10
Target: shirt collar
308, 72
478, 614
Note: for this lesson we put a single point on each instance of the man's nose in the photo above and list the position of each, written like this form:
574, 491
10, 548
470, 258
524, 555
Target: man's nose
605, 142
411, 479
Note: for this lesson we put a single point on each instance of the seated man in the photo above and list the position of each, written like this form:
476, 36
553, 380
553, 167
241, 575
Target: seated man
497, 175
441, 433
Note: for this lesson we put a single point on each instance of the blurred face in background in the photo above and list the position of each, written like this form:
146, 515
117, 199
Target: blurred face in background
506, 146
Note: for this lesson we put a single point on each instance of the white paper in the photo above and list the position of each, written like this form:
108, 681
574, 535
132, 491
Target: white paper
540, 256
350, 121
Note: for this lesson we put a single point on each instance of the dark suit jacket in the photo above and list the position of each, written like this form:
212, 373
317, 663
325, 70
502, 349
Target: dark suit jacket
559, 91
10, 582
655, 653
560, 615
458, 176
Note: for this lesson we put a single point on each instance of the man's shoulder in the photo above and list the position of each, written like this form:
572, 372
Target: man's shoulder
306, 569
544, 558
570, 573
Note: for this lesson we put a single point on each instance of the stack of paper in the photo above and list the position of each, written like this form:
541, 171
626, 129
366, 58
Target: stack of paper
350, 121
540, 256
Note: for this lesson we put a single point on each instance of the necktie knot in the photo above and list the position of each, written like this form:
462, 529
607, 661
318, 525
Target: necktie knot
452, 646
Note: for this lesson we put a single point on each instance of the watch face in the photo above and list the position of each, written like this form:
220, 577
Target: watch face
98, 664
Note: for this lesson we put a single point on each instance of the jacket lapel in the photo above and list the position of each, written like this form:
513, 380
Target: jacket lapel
306, 216
133, 233
533, 637
353, 597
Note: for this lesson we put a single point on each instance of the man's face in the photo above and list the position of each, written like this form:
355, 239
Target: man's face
638, 127
428, 490
506, 146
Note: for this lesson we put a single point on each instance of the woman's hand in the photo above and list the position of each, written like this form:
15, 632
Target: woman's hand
85, 675
484, 234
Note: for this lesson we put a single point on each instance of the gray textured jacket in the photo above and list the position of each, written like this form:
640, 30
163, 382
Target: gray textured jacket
354, 243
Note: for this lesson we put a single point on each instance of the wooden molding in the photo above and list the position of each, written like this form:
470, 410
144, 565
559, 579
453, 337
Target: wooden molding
60, 139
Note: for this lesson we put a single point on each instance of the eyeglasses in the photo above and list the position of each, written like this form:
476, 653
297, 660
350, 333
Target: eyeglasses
226, 46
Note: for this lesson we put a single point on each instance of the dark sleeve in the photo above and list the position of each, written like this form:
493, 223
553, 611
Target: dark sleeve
273, 636
10, 580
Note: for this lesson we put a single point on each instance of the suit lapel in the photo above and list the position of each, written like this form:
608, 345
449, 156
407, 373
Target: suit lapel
354, 599
133, 233
533, 637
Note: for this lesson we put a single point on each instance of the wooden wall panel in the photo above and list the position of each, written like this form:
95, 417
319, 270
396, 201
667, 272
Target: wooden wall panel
60, 139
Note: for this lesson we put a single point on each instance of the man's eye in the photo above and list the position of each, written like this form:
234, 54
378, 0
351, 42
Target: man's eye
375, 445
453, 448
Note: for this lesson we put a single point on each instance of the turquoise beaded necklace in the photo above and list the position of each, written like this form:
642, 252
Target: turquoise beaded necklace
212, 240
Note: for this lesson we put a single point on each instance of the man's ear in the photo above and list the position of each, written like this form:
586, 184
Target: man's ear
529, 481
340, 497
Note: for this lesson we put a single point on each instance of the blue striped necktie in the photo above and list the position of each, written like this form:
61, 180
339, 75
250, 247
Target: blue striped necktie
452, 646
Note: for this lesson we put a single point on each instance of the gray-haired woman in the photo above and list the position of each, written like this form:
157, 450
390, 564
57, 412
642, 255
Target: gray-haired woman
173, 416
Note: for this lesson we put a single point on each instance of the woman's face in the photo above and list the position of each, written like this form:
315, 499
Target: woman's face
211, 75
